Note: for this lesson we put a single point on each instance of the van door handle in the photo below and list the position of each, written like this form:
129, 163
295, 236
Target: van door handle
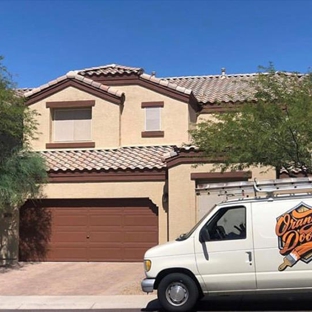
249, 255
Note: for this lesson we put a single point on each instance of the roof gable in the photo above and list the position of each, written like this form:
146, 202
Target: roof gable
72, 79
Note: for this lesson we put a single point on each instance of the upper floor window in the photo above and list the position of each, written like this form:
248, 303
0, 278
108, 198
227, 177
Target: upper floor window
152, 119
72, 125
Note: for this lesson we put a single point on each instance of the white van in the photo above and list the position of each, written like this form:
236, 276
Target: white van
247, 245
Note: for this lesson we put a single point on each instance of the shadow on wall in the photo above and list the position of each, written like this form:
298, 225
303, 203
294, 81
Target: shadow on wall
34, 231
9, 237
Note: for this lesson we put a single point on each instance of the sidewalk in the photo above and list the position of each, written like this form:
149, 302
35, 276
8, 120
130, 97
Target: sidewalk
78, 302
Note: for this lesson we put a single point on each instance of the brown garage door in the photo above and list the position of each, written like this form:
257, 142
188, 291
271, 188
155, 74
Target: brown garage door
88, 230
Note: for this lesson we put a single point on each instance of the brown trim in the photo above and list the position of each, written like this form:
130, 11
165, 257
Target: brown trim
70, 104
191, 157
107, 176
149, 84
152, 134
215, 176
224, 107
152, 104
78, 85
71, 145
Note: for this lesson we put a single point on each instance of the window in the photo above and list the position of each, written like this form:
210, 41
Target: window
227, 224
152, 119
72, 125
152, 125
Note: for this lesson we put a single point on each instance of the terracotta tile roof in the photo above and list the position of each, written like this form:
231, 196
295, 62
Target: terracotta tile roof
22, 91
73, 75
166, 83
112, 69
118, 70
215, 88
138, 157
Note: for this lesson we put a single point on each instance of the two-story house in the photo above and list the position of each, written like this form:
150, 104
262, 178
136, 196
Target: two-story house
121, 173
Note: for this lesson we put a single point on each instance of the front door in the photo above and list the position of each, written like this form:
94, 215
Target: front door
224, 251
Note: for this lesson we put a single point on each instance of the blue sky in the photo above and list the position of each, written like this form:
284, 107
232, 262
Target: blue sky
42, 39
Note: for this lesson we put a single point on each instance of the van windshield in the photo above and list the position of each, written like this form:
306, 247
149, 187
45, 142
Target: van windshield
185, 236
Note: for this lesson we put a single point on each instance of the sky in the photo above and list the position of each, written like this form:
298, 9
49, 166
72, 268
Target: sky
44, 39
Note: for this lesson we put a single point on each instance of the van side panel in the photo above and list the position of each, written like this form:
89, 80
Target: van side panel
282, 234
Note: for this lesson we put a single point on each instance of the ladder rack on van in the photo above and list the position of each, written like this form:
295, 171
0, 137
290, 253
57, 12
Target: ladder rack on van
268, 187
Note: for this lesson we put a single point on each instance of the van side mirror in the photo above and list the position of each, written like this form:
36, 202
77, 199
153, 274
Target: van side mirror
204, 235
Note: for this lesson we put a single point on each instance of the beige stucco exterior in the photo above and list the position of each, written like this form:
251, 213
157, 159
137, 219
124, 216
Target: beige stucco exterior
174, 118
182, 198
105, 126
116, 125
113, 126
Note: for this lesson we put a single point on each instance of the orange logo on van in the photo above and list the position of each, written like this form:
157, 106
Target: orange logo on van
294, 231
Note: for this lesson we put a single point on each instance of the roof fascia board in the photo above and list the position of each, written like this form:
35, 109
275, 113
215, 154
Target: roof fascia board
104, 176
190, 157
75, 84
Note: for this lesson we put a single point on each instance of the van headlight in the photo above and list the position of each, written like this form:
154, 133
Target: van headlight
147, 265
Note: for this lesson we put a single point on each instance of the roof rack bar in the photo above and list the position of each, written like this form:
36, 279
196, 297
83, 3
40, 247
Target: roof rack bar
269, 187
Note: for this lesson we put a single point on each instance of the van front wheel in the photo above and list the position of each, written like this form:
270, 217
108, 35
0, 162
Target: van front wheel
177, 292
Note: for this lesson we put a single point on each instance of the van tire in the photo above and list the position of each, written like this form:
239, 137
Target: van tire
177, 292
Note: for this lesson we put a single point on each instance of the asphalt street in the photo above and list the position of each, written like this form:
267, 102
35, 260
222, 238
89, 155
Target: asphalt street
277, 303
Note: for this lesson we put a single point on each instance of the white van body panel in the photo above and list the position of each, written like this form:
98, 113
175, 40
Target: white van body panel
227, 265
277, 229
173, 255
266, 246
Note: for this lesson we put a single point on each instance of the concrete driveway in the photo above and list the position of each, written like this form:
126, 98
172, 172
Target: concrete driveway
72, 279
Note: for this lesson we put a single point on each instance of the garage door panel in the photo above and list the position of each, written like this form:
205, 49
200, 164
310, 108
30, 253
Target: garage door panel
136, 219
106, 237
99, 230
65, 217
106, 219
139, 237
68, 237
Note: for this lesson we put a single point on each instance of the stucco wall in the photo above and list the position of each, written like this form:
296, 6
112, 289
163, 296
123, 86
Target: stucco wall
110, 130
183, 209
174, 118
151, 190
105, 119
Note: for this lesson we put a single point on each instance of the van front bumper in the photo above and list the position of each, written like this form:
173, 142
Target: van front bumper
148, 285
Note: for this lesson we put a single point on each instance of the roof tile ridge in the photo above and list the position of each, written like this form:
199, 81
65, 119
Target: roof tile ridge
169, 85
95, 67
108, 66
210, 76
74, 75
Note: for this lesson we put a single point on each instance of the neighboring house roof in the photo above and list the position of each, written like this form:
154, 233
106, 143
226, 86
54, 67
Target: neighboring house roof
123, 158
216, 88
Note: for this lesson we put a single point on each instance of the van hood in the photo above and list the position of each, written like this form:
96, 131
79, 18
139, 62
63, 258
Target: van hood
172, 248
